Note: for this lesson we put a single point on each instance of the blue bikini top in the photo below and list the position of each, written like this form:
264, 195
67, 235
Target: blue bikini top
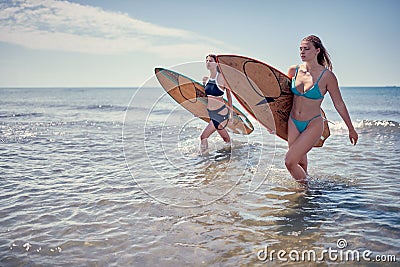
212, 88
313, 93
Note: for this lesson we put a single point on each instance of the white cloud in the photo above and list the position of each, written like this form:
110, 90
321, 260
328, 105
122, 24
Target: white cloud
66, 26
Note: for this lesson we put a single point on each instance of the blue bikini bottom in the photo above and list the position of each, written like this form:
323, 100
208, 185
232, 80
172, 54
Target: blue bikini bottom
302, 125
217, 118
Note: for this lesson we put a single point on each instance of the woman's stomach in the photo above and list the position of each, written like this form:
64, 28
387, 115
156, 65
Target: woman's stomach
215, 102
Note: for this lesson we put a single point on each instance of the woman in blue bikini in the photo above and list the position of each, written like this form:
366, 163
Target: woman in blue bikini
310, 82
219, 113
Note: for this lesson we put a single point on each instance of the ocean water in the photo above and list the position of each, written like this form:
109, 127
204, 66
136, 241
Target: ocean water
113, 177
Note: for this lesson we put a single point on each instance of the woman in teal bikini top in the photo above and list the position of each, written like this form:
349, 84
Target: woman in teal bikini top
314, 93
303, 134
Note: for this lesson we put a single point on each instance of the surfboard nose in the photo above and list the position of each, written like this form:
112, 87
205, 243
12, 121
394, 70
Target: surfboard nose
158, 69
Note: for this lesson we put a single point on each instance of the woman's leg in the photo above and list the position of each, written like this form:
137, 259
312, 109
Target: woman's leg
209, 130
292, 166
304, 163
223, 123
225, 135
299, 145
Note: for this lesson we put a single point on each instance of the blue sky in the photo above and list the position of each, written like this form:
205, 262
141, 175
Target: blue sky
113, 43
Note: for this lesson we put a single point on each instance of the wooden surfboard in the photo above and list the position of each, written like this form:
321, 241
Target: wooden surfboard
263, 91
191, 95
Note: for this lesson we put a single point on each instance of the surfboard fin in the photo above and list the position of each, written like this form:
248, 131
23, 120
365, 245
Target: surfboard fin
266, 100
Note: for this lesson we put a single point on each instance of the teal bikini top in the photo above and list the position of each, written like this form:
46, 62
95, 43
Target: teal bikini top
313, 93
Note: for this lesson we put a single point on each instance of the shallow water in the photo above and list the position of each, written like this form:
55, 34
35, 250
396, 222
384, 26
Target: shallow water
90, 178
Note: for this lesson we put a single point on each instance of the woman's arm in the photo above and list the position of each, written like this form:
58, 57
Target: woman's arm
205, 79
333, 89
229, 96
291, 71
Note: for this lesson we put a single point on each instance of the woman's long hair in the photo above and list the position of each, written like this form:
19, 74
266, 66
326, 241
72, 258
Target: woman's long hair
323, 57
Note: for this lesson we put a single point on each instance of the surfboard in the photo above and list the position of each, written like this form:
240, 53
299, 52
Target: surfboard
192, 96
263, 91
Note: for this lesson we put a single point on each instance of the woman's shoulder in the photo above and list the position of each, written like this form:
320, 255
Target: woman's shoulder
330, 75
292, 70
331, 80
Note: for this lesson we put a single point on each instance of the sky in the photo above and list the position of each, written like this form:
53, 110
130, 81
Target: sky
118, 43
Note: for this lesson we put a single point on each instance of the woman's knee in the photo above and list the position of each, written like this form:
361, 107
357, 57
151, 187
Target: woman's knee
290, 162
205, 134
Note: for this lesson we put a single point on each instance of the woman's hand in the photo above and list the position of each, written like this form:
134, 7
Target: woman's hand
353, 135
205, 78
231, 112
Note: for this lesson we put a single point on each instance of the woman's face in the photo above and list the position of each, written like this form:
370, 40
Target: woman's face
308, 51
210, 63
